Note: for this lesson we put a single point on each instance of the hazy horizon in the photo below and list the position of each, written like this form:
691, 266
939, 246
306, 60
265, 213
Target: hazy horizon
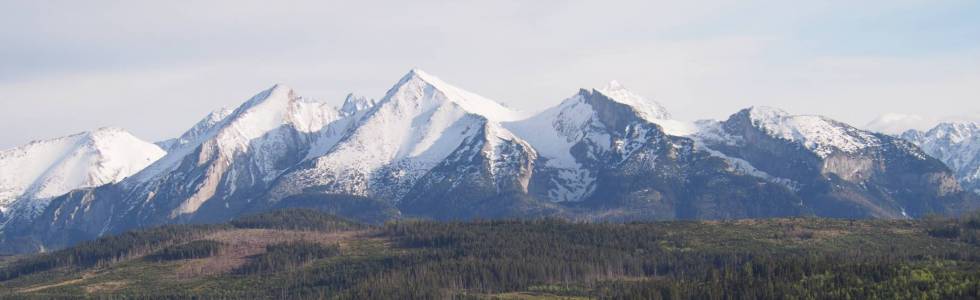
156, 68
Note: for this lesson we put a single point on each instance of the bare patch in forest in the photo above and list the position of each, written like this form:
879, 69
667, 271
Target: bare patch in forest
108, 286
240, 244
48, 286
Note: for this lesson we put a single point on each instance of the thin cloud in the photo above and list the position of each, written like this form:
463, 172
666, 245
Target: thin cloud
156, 67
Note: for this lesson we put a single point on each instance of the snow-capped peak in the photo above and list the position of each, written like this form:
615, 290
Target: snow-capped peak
419, 122
766, 113
48, 168
613, 85
249, 120
817, 133
354, 104
648, 109
955, 132
230, 133
434, 89
955, 143
270, 109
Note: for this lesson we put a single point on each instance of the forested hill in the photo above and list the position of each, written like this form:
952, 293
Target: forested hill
307, 254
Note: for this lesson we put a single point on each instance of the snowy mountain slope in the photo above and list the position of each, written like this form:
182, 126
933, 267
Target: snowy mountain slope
487, 176
553, 133
49, 168
351, 112
606, 158
244, 150
419, 122
956, 144
227, 166
216, 171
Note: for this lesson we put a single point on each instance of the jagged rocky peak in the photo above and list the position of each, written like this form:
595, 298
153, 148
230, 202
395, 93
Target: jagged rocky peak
353, 104
49, 168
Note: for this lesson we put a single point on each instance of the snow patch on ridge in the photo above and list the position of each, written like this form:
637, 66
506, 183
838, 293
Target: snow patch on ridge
742, 166
649, 110
819, 134
711, 132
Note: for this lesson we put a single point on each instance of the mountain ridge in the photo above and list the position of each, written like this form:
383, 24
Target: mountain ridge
429, 149
48, 168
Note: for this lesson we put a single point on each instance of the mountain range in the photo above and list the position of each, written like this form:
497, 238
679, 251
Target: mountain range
430, 150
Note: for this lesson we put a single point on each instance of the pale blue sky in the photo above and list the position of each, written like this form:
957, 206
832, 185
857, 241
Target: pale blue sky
155, 68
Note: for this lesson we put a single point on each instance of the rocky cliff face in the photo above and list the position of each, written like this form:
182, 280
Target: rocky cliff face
839, 170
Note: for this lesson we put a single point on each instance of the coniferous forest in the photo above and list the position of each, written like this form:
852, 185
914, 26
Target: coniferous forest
306, 254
